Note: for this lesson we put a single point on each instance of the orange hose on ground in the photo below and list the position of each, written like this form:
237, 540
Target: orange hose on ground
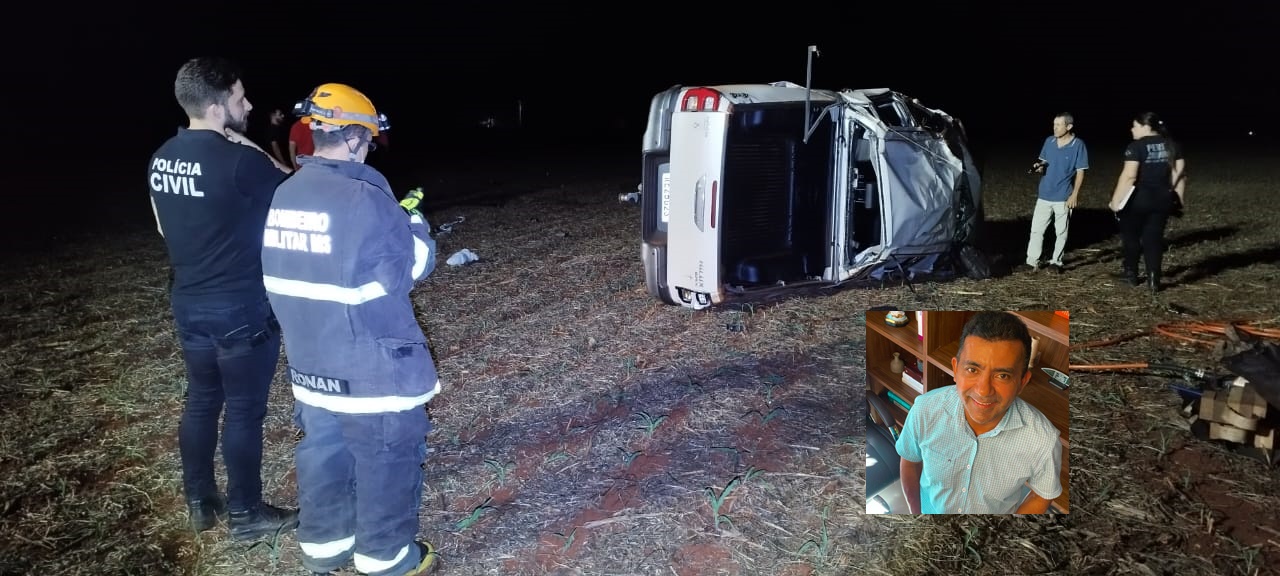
1195, 332
1206, 328
1180, 330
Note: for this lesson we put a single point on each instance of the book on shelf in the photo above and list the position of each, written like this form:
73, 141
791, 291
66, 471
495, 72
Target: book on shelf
898, 400
913, 378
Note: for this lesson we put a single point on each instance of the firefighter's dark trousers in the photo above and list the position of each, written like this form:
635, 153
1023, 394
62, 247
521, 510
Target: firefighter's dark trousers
359, 489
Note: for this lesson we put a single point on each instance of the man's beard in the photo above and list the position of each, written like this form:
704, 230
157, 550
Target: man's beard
238, 124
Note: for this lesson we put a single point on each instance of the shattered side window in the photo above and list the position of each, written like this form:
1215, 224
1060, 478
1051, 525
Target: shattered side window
889, 113
908, 116
893, 113
929, 120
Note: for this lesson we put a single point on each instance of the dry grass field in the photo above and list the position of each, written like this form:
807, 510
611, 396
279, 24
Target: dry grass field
585, 428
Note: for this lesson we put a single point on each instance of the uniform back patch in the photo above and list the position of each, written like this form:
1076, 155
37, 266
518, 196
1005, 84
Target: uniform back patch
322, 384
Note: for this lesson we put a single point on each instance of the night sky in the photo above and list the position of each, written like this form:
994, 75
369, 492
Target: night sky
100, 77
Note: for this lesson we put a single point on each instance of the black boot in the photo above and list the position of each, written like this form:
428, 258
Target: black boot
1128, 275
264, 520
205, 512
1153, 282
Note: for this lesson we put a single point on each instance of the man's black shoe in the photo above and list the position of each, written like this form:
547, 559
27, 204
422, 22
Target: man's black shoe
265, 520
1129, 275
205, 512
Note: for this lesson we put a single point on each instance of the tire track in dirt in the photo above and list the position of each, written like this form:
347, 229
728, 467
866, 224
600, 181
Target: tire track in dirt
612, 467
576, 435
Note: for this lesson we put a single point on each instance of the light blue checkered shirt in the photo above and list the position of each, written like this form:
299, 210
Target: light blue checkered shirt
968, 474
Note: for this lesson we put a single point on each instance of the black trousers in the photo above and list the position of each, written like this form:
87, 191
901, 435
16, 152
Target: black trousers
231, 349
1142, 235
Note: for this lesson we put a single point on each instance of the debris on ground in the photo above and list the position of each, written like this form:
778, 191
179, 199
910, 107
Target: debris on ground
1241, 408
1247, 412
448, 226
1236, 414
461, 257
1255, 360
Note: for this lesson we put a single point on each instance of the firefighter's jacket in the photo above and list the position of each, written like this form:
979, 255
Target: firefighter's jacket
339, 259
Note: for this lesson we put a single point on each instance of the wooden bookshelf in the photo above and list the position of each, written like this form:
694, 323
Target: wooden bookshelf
933, 339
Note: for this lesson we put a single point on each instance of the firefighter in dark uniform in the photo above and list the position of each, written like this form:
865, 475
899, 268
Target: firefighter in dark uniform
210, 189
339, 259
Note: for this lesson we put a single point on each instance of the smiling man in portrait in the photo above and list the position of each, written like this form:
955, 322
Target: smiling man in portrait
975, 447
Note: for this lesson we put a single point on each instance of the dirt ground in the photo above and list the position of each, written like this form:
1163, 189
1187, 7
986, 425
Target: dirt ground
585, 428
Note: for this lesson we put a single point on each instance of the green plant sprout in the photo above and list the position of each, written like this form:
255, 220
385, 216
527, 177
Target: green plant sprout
822, 546
765, 417
272, 544
717, 500
649, 423
500, 470
770, 382
970, 537
556, 456
629, 456
568, 540
476, 512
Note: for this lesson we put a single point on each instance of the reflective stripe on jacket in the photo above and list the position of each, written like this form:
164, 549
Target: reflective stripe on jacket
339, 259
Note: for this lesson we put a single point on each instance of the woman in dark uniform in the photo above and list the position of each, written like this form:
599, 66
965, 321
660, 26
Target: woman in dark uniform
1150, 189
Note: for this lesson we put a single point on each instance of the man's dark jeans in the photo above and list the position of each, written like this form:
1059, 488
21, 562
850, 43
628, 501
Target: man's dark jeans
231, 348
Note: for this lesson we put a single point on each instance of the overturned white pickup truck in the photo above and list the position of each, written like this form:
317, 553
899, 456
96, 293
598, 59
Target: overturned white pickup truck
743, 194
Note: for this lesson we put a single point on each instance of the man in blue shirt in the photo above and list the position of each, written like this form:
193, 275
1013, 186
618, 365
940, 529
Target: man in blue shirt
970, 448
1062, 162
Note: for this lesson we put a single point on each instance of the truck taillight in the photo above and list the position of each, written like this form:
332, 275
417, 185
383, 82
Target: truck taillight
701, 100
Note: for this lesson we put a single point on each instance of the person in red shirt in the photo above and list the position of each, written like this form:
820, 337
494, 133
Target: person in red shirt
300, 140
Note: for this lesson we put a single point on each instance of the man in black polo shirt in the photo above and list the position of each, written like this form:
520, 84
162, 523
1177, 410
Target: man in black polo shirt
210, 190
